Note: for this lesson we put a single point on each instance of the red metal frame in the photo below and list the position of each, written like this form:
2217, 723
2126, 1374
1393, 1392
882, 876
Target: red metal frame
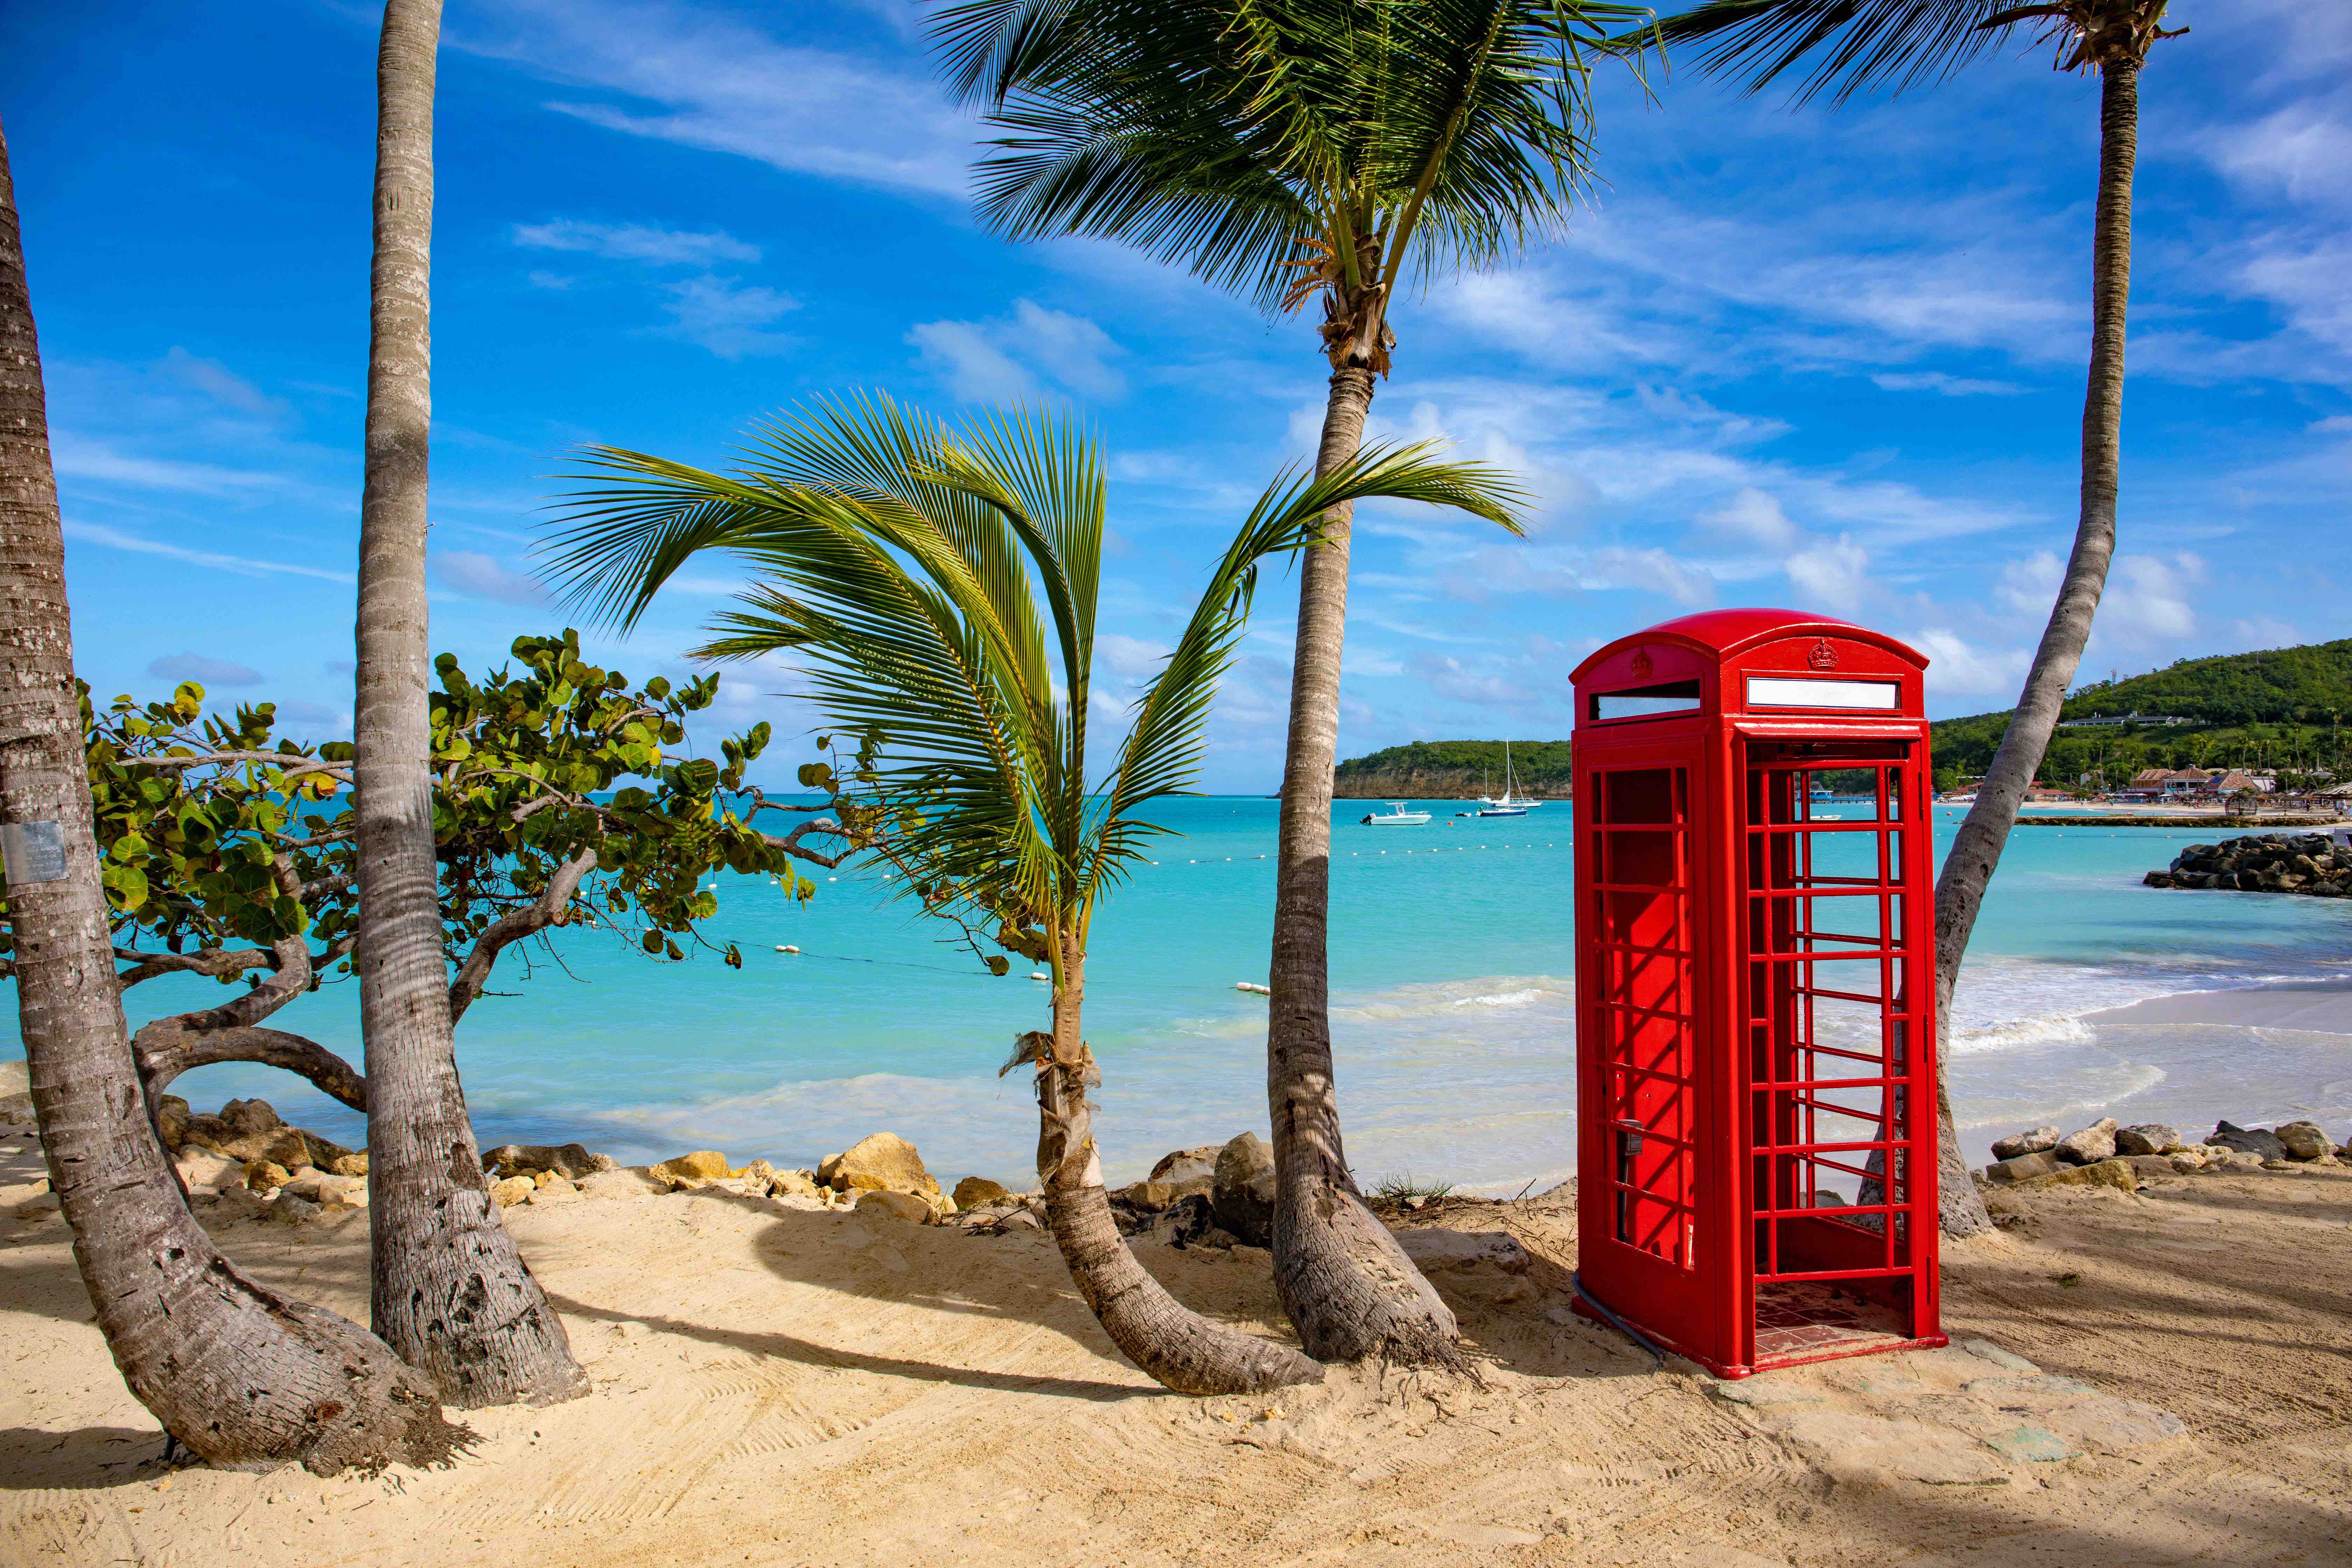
1755, 993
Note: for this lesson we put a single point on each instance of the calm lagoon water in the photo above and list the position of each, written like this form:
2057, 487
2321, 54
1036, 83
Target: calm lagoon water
1451, 967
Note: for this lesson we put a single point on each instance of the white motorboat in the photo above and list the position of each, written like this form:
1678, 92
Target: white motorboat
1396, 816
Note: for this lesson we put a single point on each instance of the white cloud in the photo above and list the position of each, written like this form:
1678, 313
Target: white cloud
1009, 360
2029, 586
1753, 517
1836, 575
729, 319
2263, 632
2147, 598
248, 566
76, 457
205, 671
635, 242
2302, 150
484, 577
716, 83
1957, 668
223, 385
1949, 386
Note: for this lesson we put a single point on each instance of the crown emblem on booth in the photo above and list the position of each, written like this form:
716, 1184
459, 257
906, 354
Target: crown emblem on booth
1824, 656
1642, 662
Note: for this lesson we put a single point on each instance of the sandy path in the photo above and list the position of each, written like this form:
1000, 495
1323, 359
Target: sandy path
779, 1387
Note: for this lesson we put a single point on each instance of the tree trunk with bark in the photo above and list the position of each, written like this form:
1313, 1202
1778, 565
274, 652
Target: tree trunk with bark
1175, 1345
1977, 847
244, 1378
450, 1291
1345, 1282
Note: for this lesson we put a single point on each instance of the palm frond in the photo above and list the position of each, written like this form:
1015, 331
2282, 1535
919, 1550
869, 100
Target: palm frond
1855, 46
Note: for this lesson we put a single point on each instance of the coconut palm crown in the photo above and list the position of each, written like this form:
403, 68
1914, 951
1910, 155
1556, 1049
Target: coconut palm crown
940, 593
1290, 147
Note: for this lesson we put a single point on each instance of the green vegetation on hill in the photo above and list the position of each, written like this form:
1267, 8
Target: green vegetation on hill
1454, 770
2275, 710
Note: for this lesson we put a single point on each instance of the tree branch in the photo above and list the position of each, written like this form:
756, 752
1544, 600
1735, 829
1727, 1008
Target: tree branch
552, 908
169, 1046
212, 960
790, 842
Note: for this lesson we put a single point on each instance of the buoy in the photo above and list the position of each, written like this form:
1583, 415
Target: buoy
788, 950
1039, 974
1260, 990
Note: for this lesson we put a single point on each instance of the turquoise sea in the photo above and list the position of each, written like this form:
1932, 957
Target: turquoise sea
1451, 968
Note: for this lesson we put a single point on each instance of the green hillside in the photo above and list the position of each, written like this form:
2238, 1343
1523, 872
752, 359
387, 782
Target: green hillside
2276, 710
1454, 770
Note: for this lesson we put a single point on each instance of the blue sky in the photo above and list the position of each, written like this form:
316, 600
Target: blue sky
1826, 360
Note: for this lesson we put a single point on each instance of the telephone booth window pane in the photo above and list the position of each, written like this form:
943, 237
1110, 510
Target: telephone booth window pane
1644, 1016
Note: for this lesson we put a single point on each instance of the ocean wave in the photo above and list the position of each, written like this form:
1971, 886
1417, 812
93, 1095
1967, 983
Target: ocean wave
1503, 998
2021, 1032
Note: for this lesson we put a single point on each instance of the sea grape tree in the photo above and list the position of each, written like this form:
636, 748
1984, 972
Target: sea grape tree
559, 800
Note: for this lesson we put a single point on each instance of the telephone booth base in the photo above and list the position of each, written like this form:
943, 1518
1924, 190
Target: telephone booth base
1800, 1333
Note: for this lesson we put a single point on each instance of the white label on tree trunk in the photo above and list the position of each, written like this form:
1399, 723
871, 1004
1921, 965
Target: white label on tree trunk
36, 851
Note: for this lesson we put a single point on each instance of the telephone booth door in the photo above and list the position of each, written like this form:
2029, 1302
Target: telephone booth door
1835, 973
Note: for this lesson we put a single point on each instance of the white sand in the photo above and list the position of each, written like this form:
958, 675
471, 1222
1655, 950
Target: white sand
782, 1387
2322, 1005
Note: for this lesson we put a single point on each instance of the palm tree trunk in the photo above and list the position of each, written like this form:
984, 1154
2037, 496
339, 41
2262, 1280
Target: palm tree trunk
1977, 847
450, 1292
1344, 1280
245, 1378
1174, 1344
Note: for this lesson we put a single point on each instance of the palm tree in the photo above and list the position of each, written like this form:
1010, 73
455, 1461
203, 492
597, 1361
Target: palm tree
940, 592
1297, 150
450, 1292
1870, 43
244, 1378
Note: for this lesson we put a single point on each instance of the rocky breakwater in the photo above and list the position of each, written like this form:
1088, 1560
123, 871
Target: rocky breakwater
2104, 1155
2306, 862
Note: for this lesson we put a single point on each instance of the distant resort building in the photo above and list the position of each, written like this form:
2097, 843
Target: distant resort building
2175, 784
2115, 720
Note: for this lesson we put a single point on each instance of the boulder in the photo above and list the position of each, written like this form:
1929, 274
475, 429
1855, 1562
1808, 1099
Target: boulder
1185, 1221
570, 1160
2032, 1142
513, 1191
201, 1170
1021, 1219
286, 1208
266, 1176
2188, 1161
243, 1117
2089, 1146
702, 1165
1242, 1191
886, 1203
620, 1185
350, 1164
2115, 1173
171, 1122
328, 1191
16, 1078
1463, 1249
2148, 1138
2258, 1141
979, 1192
798, 1185
2305, 1140
1188, 1171
2024, 1168
882, 1162
1147, 1197
17, 1107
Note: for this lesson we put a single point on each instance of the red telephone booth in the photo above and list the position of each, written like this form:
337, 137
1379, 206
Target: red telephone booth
1756, 996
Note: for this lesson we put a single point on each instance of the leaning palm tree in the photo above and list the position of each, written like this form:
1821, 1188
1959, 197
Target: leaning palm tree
1865, 44
245, 1378
1298, 150
940, 591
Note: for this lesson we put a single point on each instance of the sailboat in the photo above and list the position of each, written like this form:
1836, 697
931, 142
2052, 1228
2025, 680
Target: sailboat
1509, 803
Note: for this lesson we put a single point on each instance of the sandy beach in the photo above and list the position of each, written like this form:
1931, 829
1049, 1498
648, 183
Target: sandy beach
2319, 1006
774, 1386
